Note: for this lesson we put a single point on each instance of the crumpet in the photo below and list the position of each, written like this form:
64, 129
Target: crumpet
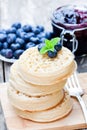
43, 70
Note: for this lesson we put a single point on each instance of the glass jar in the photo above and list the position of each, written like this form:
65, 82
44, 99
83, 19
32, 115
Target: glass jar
70, 23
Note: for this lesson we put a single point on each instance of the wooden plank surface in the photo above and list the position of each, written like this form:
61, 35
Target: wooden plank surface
2, 120
4, 71
1, 72
75, 120
7, 70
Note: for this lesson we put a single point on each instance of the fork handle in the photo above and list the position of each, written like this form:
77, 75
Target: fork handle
84, 109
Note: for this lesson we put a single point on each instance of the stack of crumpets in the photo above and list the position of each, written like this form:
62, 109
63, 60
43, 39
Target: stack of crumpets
36, 85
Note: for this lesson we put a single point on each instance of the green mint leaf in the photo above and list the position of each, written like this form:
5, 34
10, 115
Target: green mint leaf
47, 42
43, 50
54, 41
51, 49
49, 45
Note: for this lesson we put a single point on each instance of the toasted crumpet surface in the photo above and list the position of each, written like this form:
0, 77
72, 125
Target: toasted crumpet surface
40, 69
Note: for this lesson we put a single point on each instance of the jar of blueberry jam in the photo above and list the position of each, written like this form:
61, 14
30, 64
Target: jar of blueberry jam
70, 23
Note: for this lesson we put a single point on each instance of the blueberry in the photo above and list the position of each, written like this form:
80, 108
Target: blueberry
42, 40
29, 45
34, 39
5, 45
45, 35
39, 36
39, 41
69, 13
27, 28
22, 35
48, 35
70, 16
3, 31
31, 34
41, 28
19, 31
58, 46
42, 35
35, 30
1, 45
3, 52
17, 53
15, 46
70, 20
11, 38
52, 54
9, 53
26, 37
20, 41
17, 25
11, 30
40, 46
2, 37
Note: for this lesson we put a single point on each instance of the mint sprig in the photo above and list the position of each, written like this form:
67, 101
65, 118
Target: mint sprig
49, 45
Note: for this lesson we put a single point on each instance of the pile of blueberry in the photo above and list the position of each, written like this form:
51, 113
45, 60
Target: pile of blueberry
15, 40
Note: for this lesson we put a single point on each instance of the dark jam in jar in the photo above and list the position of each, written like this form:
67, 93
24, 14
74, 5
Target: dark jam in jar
71, 23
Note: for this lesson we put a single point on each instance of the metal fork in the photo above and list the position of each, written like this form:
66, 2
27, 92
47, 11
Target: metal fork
75, 90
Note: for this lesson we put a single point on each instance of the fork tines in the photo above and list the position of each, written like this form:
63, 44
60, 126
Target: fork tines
74, 82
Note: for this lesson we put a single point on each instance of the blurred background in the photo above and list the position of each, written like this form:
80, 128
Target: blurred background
35, 12
30, 11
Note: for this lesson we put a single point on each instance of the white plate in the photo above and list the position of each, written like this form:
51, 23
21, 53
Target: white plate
2, 58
